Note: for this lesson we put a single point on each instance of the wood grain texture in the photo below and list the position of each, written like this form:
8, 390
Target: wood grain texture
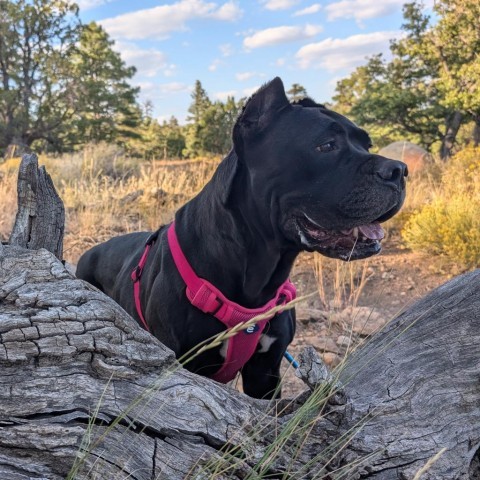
40, 218
66, 349
419, 381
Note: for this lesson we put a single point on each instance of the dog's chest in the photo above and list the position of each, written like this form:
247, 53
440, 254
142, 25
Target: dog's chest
264, 344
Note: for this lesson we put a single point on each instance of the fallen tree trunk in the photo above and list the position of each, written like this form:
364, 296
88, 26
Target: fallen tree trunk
88, 394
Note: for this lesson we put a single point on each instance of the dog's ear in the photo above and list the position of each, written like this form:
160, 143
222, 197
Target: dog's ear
259, 111
264, 104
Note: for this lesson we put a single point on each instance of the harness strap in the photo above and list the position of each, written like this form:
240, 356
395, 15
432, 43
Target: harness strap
206, 297
137, 274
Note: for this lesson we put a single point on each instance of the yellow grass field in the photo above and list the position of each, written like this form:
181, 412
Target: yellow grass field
99, 206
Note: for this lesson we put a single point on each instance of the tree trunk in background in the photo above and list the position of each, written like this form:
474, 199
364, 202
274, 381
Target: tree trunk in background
85, 390
452, 126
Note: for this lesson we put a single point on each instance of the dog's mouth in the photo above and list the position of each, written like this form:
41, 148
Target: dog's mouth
354, 243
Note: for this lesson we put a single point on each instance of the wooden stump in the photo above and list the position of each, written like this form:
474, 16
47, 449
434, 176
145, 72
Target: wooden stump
40, 217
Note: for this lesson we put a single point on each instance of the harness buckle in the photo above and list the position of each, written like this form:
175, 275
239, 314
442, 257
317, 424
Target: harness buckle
220, 305
205, 299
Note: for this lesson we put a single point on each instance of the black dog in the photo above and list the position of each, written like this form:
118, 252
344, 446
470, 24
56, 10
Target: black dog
299, 177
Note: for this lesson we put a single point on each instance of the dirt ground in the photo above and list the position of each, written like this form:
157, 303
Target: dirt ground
395, 279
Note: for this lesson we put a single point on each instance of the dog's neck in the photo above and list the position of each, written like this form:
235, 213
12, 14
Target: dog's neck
229, 246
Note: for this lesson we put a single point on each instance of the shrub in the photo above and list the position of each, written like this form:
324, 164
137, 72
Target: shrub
449, 224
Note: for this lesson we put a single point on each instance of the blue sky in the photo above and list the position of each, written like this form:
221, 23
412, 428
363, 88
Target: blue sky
233, 47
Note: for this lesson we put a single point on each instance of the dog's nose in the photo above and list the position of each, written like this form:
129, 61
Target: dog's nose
392, 171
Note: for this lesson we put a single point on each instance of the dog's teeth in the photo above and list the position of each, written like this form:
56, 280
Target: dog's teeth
355, 232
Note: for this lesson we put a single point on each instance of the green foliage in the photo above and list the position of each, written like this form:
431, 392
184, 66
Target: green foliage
450, 225
429, 87
62, 84
384, 98
296, 92
37, 90
456, 42
106, 109
166, 140
211, 124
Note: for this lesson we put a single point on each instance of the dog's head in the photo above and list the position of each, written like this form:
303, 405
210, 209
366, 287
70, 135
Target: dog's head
316, 184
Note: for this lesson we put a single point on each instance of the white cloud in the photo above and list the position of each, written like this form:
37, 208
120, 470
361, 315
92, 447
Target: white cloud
223, 96
280, 62
277, 35
215, 64
174, 87
241, 77
316, 7
228, 12
362, 9
159, 22
170, 70
226, 50
279, 4
155, 91
89, 4
336, 54
148, 62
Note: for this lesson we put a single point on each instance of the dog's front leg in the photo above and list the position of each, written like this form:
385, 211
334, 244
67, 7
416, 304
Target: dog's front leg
261, 374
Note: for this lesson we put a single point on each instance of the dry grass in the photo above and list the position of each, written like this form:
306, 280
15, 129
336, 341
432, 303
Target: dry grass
348, 281
139, 196
107, 194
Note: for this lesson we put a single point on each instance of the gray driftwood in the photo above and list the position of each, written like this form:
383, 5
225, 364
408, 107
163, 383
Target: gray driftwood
40, 217
87, 393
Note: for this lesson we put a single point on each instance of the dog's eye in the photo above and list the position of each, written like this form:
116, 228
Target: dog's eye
327, 147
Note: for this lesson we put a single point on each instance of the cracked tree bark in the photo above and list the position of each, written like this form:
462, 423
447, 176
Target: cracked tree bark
87, 393
40, 217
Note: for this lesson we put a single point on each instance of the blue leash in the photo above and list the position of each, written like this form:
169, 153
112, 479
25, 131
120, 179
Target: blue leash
291, 359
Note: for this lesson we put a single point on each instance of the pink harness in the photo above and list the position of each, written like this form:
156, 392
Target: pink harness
206, 297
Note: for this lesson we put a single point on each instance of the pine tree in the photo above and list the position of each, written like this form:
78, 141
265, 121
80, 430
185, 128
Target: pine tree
200, 103
107, 109
296, 92
37, 91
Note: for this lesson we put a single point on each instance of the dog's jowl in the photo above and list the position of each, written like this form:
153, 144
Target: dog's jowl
299, 177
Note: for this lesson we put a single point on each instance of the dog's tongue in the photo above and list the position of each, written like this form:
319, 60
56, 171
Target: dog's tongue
373, 231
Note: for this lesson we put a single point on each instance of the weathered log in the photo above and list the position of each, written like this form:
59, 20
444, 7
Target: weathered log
68, 353
417, 383
88, 394
40, 217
